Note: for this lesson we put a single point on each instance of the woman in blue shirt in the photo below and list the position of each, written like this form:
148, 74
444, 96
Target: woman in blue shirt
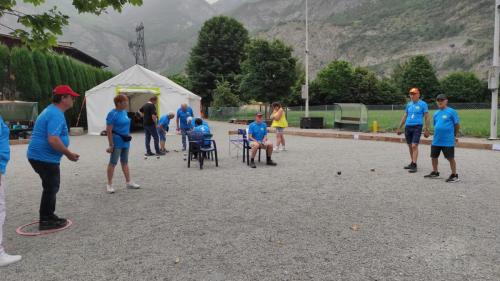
5, 259
118, 132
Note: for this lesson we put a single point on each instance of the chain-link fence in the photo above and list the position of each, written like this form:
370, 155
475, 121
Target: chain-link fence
474, 117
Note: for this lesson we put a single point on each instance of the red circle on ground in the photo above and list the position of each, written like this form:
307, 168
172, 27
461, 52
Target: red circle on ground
20, 230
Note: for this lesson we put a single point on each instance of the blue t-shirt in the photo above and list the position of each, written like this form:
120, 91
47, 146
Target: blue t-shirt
183, 116
121, 125
416, 111
444, 127
193, 122
205, 130
4, 146
51, 122
258, 131
164, 122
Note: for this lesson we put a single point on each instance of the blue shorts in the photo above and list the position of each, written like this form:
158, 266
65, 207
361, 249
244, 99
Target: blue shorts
413, 133
162, 134
280, 130
119, 153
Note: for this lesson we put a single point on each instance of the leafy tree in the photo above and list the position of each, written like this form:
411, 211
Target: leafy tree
70, 73
24, 74
4, 69
216, 55
363, 86
464, 87
63, 71
41, 29
43, 77
387, 93
224, 97
333, 83
268, 71
419, 72
180, 79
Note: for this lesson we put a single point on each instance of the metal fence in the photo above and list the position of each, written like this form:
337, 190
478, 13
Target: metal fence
475, 117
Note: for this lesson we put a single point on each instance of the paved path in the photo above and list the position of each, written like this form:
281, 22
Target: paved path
297, 221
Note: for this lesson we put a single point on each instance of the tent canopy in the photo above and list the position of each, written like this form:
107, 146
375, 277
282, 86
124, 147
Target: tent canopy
139, 84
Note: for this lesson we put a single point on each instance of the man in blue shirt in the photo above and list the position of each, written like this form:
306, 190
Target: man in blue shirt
257, 136
49, 142
446, 131
413, 119
163, 128
201, 127
5, 259
183, 126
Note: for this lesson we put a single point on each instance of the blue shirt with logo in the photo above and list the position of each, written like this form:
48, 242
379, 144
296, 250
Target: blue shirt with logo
51, 122
258, 130
183, 116
4, 146
416, 112
204, 129
121, 125
164, 122
444, 127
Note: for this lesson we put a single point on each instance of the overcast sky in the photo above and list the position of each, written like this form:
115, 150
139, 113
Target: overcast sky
211, 1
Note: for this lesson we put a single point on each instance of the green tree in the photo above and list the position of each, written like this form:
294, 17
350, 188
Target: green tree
24, 74
70, 73
464, 87
216, 55
62, 70
42, 28
268, 71
180, 79
43, 77
363, 86
4, 70
333, 83
55, 75
224, 97
387, 93
295, 98
418, 72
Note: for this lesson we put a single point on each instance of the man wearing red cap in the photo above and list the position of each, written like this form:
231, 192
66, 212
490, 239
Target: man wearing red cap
49, 142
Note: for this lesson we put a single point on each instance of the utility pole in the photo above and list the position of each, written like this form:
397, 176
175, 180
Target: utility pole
494, 75
307, 59
138, 48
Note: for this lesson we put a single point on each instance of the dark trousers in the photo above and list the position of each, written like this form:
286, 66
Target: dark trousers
152, 132
51, 179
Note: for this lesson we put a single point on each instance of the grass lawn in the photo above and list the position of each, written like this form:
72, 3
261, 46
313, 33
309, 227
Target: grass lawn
474, 122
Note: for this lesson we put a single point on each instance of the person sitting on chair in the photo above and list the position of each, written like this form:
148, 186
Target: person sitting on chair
202, 127
257, 136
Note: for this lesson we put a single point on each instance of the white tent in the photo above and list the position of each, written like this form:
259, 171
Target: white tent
139, 84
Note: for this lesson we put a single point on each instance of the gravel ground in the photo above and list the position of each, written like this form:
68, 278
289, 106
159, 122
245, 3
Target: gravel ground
297, 221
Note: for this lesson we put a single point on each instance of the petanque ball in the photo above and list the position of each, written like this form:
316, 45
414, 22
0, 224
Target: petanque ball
339, 173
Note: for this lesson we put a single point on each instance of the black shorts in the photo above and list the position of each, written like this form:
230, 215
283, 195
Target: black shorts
448, 151
413, 133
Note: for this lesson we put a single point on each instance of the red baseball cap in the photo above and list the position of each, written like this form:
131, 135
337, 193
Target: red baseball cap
64, 90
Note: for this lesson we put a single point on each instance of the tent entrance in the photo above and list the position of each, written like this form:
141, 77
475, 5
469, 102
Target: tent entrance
138, 96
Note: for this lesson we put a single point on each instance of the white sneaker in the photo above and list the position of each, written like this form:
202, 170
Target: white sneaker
110, 189
276, 149
133, 185
282, 148
8, 259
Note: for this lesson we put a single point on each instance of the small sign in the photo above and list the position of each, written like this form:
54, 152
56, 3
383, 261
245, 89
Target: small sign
305, 92
493, 75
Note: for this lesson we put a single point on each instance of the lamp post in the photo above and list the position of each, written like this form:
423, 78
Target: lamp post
307, 59
494, 75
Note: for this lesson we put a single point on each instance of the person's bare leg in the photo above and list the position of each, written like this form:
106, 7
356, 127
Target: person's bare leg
269, 149
162, 145
126, 172
411, 152
435, 164
255, 147
111, 170
414, 148
283, 140
453, 165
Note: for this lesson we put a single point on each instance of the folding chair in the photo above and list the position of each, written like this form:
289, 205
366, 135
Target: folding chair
246, 146
203, 146
236, 142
